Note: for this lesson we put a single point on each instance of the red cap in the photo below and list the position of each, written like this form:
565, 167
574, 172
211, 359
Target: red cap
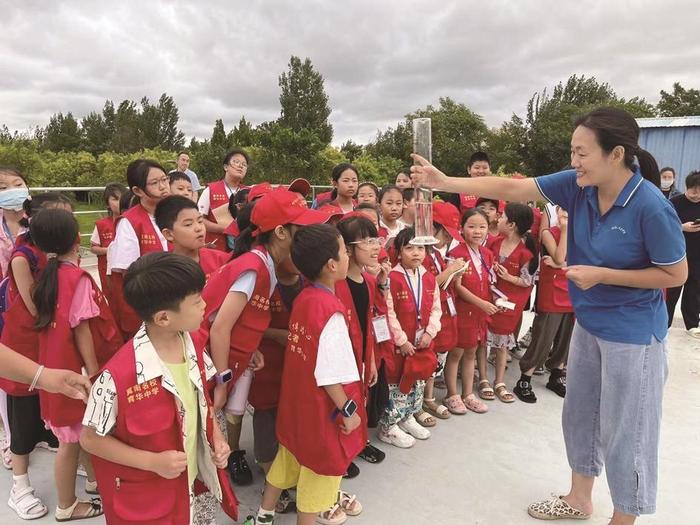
447, 216
279, 207
259, 190
302, 186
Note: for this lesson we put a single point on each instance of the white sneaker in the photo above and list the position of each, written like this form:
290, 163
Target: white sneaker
397, 437
694, 332
412, 427
518, 352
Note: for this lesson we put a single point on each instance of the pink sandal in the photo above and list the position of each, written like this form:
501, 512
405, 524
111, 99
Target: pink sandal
474, 404
455, 405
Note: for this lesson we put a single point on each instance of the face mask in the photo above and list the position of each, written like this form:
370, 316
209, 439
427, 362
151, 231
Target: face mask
666, 184
13, 199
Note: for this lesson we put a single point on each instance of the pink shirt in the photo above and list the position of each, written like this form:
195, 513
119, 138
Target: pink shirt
83, 306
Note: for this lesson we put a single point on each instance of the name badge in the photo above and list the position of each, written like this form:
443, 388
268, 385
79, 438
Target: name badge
419, 336
381, 329
451, 306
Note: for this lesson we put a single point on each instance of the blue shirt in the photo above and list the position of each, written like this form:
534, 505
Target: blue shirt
641, 230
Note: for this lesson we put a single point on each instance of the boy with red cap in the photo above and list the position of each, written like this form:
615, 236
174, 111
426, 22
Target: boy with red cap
149, 423
238, 304
179, 220
320, 424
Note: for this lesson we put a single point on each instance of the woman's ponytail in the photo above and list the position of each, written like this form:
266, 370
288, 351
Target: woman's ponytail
648, 167
531, 245
45, 294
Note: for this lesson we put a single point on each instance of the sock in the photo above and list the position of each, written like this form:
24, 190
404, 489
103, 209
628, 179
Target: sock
556, 373
524, 378
265, 516
20, 482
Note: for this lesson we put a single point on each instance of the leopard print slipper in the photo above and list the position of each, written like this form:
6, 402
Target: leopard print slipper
555, 509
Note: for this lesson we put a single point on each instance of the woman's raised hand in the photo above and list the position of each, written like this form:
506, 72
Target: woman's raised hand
426, 175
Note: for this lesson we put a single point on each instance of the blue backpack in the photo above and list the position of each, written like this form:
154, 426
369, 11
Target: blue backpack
5, 283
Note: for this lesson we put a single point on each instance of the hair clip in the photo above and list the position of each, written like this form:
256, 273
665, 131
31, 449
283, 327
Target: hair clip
51, 255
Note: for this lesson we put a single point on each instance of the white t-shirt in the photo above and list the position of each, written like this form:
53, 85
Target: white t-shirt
393, 233
204, 202
125, 248
95, 237
335, 361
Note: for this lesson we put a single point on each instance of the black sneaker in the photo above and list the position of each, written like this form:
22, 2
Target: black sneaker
238, 469
352, 472
372, 454
557, 385
523, 390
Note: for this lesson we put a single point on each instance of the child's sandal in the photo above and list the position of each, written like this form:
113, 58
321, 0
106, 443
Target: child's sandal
349, 503
503, 394
333, 516
486, 390
425, 420
436, 409
68, 514
474, 404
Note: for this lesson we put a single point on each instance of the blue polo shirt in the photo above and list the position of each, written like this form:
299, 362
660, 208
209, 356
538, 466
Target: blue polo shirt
640, 230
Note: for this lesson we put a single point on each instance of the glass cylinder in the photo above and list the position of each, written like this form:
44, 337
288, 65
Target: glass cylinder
423, 146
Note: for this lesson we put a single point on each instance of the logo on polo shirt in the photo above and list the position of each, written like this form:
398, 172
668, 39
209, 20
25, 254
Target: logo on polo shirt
620, 229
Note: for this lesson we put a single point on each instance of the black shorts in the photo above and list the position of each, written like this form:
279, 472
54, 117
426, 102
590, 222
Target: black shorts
26, 426
265, 435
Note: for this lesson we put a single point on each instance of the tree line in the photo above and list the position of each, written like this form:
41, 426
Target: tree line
96, 149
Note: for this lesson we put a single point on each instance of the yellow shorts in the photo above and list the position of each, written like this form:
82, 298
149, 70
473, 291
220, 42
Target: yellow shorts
315, 493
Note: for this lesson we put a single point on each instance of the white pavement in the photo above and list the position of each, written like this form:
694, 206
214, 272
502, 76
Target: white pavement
486, 469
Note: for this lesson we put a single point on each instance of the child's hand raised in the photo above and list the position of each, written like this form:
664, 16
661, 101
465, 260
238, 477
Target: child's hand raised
350, 423
169, 464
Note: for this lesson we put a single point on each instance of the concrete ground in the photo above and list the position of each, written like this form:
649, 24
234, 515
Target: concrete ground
486, 469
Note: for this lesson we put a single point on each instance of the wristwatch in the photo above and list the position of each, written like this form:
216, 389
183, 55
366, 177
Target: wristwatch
224, 377
349, 408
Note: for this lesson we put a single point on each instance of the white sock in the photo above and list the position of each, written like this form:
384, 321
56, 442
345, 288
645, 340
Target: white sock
262, 513
20, 482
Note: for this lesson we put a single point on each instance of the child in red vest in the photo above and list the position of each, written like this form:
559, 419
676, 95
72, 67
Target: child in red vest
414, 320
25, 429
183, 226
238, 303
103, 234
474, 306
446, 231
358, 292
390, 210
149, 423
554, 323
344, 177
218, 193
320, 423
76, 332
515, 265
136, 235
491, 208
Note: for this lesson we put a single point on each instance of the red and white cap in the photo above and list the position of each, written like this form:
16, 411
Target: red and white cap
258, 191
279, 207
302, 186
447, 216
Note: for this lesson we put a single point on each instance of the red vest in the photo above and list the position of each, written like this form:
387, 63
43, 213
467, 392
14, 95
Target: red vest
19, 333
553, 287
149, 242
265, 391
446, 339
57, 347
472, 321
255, 318
304, 423
217, 197
505, 322
211, 260
405, 309
147, 422
106, 229
467, 202
342, 291
321, 198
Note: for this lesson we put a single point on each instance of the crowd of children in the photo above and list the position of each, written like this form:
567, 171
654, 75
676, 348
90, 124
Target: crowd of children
328, 322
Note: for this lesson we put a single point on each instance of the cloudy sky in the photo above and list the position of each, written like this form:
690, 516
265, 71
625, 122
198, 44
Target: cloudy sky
381, 59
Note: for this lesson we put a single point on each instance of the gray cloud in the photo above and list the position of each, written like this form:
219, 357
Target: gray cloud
381, 60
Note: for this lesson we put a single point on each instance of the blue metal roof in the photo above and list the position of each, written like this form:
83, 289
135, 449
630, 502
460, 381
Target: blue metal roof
669, 122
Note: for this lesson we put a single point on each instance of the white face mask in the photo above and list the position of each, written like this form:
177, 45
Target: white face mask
13, 198
666, 184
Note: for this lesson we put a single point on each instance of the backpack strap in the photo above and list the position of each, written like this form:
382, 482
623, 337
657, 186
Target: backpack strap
29, 254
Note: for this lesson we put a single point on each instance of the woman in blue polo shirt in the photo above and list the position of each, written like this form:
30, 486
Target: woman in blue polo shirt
625, 245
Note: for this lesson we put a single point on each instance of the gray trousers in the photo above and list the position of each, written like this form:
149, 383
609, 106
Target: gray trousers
551, 335
612, 416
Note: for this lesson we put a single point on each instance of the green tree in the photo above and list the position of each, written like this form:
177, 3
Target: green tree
127, 129
242, 135
62, 133
506, 146
680, 102
304, 101
351, 150
169, 136
96, 133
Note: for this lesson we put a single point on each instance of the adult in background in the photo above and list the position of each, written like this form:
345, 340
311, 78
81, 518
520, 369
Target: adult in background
183, 165
218, 193
668, 183
687, 207
627, 245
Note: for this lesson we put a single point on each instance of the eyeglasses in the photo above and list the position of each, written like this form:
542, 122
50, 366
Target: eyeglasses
238, 164
163, 181
371, 242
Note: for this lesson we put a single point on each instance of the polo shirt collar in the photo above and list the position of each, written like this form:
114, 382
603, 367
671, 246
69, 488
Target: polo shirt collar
630, 188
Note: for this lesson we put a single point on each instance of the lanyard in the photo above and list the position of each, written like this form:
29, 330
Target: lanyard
416, 298
489, 269
436, 261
